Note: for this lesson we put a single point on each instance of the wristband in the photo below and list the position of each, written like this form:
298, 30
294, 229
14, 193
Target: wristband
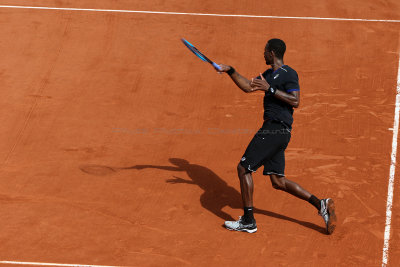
230, 71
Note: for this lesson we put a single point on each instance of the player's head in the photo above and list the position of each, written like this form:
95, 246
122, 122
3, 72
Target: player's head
275, 48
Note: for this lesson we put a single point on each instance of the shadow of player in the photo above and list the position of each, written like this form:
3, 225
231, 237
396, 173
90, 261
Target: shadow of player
217, 193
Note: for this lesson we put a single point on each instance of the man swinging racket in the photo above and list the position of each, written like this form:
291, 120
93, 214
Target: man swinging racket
267, 148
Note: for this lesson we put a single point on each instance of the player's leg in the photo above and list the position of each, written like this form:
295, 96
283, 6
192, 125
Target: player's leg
325, 207
246, 223
284, 184
246, 185
250, 162
280, 182
275, 167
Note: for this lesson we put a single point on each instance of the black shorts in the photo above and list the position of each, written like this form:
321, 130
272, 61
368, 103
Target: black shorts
268, 148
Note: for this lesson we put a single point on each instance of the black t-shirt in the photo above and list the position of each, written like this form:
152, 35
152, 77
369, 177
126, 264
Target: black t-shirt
285, 79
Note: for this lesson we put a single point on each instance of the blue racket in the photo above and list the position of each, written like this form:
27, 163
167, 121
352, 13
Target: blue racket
199, 54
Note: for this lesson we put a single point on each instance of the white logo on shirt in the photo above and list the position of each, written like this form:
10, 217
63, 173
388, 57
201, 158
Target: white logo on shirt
276, 76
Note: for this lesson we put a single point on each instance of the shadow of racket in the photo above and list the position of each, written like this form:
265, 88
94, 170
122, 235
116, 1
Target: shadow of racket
101, 170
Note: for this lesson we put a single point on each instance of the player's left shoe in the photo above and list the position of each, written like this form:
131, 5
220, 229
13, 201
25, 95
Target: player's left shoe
327, 212
241, 225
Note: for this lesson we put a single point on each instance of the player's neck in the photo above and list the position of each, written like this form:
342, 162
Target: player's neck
277, 64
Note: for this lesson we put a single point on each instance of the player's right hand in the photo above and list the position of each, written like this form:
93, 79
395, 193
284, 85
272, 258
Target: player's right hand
223, 68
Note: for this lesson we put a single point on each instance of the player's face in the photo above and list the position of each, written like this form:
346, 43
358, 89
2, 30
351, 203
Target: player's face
268, 56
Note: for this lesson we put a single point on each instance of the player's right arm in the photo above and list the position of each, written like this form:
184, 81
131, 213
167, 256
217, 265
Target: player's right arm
241, 82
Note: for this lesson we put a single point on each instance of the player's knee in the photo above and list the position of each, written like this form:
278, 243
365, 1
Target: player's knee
277, 186
278, 183
241, 170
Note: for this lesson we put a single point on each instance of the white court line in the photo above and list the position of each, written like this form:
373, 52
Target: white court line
389, 201
196, 14
51, 264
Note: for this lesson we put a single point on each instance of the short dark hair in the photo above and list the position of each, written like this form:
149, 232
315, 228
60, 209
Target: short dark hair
277, 46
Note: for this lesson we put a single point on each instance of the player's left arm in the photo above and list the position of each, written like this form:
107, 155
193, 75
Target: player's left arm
291, 96
291, 91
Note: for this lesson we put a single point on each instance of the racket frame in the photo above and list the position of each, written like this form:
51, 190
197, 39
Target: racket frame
199, 54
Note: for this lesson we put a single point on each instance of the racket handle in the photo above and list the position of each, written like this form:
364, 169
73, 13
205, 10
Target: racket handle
216, 66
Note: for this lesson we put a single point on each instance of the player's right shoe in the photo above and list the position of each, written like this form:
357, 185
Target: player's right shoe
241, 225
327, 212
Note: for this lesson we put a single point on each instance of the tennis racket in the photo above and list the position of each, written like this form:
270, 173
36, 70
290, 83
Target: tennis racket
199, 54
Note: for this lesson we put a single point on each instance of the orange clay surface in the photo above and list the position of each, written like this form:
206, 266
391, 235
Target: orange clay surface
119, 147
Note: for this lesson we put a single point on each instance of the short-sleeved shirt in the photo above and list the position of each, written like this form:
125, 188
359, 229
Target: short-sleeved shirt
284, 79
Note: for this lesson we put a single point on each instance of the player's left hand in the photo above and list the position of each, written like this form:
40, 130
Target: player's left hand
259, 84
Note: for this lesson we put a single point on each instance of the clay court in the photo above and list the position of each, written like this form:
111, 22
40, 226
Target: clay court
119, 147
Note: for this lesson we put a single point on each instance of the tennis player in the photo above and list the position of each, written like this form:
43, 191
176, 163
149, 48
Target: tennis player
267, 148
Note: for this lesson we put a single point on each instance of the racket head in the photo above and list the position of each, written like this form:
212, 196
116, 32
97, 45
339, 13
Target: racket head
195, 51
199, 54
